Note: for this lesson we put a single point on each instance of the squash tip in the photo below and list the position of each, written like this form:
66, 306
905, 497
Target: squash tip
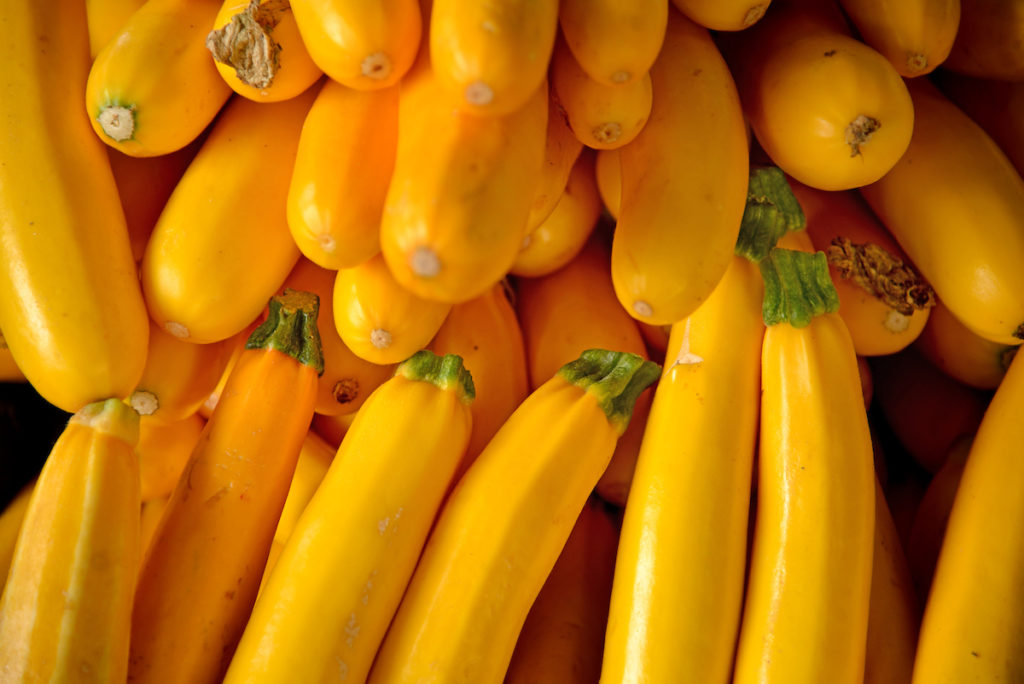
117, 122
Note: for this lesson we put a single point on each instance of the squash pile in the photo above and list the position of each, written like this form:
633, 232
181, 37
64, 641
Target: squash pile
521, 340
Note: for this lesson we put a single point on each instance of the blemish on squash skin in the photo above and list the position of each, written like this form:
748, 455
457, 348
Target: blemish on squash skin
859, 131
346, 390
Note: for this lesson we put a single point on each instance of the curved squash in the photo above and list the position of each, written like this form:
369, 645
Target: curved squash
503, 527
153, 88
258, 50
341, 174
684, 182
994, 105
70, 304
105, 19
215, 258
363, 45
955, 204
491, 57
561, 151
608, 170
339, 579
163, 450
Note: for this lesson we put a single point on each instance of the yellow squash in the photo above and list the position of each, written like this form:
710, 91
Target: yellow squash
609, 180
972, 629
673, 619
614, 41
259, 52
724, 15
914, 35
485, 332
363, 45
70, 305
378, 319
601, 116
221, 248
452, 226
340, 577
684, 182
341, 174
806, 612
149, 520
347, 379
66, 607
955, 204
154, 88
503, 527
561, 236
9, 371
491, 57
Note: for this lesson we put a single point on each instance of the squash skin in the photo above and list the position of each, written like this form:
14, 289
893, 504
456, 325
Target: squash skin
340, 577
953, 182
724, 15
215, 257
70, 304
157, 68
663, 268
990, 40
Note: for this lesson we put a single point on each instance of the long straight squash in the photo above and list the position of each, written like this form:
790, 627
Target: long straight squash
220, 250
340, 577
806, 612
973, 628
955, 204
505, 523
70, 305
202, 571
66, 607
673, 619
680, 216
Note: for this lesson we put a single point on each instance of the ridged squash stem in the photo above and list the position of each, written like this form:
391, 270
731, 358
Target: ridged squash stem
615, 379
797, 287
771, 211
291, 328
